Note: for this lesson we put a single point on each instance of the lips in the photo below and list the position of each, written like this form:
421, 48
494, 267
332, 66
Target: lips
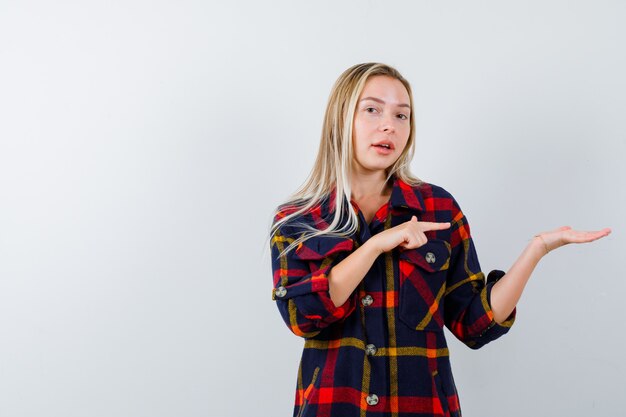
381, 150
384, 142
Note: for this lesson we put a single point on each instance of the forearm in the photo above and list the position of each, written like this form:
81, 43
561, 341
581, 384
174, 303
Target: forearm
507, 291
347, 274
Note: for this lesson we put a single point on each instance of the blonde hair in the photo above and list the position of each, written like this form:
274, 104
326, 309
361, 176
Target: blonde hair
333, 165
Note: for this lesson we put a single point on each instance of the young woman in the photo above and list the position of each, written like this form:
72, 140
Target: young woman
370, 263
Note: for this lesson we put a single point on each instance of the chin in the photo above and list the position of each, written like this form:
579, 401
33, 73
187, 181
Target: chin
383, 168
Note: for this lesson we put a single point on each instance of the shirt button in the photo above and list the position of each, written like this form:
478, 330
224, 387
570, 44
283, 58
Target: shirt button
370, 349
372, 399
367, 300
430, 258
281, 291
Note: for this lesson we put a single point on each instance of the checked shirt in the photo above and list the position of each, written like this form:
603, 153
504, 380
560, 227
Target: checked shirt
383, 352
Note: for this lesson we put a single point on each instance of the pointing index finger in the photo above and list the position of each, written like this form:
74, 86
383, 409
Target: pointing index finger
435, 226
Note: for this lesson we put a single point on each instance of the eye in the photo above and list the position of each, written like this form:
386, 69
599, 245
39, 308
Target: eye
369, 108
403, 116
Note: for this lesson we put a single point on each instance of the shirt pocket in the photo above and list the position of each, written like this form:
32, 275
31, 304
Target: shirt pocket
308, 393
449, 403
321, 253
319, 247
422, 273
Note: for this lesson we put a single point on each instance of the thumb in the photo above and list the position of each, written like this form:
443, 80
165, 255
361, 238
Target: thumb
413, 218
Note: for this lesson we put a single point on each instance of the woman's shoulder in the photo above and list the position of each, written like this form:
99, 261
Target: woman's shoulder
438, 198
429, 190
298, 220
434, 188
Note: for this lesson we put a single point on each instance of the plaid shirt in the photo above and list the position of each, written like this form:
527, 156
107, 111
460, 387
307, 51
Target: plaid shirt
383, 352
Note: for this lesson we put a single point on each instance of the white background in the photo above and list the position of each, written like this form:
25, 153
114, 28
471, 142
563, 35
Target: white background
144, 145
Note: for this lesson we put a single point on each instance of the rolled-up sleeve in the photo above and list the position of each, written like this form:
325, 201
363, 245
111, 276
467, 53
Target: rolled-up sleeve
300, 280
468, 312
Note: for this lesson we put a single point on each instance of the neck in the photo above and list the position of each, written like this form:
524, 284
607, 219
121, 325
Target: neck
369, 185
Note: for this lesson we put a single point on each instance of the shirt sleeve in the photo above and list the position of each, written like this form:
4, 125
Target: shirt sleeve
467, 311
301, 281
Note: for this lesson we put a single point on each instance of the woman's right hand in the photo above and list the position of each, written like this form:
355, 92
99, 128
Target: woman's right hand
409, 235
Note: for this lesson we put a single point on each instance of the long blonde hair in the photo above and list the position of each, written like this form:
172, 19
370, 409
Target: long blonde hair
332, 167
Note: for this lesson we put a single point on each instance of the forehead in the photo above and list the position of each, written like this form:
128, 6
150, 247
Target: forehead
386, 88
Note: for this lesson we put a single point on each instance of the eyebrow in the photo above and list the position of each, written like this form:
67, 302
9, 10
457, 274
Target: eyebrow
382, 102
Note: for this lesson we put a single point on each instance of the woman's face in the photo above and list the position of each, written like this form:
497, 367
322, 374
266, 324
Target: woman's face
382, 115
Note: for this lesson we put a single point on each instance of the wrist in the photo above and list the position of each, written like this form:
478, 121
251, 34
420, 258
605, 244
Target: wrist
541, 244
372, 247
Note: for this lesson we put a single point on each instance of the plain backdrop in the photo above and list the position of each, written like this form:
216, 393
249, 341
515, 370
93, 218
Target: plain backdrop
145, 144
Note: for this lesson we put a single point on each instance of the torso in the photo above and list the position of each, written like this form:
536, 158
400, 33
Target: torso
397, 310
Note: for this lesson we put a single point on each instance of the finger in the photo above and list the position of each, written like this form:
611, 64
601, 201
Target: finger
604, 232
413, 218
582, 237
434, 226
597, 235
418, 240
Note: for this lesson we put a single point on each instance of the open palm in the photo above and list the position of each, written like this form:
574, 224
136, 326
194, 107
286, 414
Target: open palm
565, 235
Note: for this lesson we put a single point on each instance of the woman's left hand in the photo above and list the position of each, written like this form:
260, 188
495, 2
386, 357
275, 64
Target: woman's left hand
564, 235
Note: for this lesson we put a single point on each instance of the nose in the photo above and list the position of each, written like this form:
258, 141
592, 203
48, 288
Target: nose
386, 124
